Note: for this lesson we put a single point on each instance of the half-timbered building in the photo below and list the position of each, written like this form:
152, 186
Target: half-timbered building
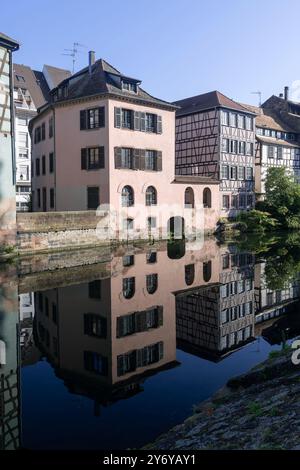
215, 137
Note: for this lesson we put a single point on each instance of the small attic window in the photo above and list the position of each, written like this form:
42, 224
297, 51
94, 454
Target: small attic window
20, 78
129, 86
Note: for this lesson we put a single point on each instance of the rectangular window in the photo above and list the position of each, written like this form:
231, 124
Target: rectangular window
92, 118
233, 172
241, 173
271, 151
234, 146
151, 160
224, 118
225, 261
52, 198
225, 172
150, 122
95, 325
249, 173
249, 123
249, 148
242, 200
93, 197
38, 196
241, 121
50, 127
225, 145
151, 257
132, 360
249, 200
95, 289
123, 157
128, 260
51, 162
139, 321
37, 167
92, 158
225, 201
94, 362
43, 165
232, 119
43, 131
242, 148
279, 153
127, 119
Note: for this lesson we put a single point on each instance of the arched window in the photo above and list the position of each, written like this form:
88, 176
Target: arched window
189, 274
207, 197
189, 201
128, 287
127, 196
151, 196
151, 283
207, 271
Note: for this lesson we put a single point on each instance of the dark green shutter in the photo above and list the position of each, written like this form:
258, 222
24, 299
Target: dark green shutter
117, 117
143, 122
83, 159
102, 117
158, 124
160, 310
159, 161
136, 159
142, 163
132, 120
118, 157
137, 120
83, 119
101, 157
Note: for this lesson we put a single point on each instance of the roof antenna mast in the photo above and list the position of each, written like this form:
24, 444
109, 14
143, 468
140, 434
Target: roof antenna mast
258, 93
73, 53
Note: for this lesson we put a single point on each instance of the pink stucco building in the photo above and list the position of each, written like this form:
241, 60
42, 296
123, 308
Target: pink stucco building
103, 140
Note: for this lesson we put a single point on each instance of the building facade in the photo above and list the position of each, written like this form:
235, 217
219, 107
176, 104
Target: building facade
31, 90
7, 152
277, 141
104, 140
215, 137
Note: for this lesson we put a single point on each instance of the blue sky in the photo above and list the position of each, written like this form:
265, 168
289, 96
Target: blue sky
178, 48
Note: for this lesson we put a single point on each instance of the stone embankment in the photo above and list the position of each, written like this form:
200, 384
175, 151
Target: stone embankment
257, 410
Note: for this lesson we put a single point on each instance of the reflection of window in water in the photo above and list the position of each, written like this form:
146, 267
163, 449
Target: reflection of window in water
128, 260
94, 362
151, 283
151, 257
189, 274
132, 360
139, 321
207, 271
95, 289
128, 287
95, 325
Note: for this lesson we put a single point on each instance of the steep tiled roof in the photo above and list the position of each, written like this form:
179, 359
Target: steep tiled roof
274, 141
105, 79
57, 75
213, 99
266, 119
34, 82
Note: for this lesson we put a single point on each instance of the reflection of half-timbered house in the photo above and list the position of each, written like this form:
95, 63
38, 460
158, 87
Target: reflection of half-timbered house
215, 137
212, 321
7, 164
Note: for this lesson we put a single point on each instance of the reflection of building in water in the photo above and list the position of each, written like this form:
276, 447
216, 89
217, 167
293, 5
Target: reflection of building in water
272, 305
112, 333
29, 352
9, 368
212, 321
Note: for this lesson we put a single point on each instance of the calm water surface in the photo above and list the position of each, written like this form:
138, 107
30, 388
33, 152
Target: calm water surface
112, 358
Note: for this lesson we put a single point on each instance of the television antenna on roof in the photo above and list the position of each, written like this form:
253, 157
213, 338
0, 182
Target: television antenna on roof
73, 52
259, 95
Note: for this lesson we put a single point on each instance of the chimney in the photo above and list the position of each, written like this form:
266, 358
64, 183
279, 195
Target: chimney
286, 93
280, 95
91, 60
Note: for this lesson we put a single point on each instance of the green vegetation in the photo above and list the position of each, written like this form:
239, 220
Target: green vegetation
281, 208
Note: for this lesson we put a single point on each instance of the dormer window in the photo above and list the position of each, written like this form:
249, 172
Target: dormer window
129, 86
